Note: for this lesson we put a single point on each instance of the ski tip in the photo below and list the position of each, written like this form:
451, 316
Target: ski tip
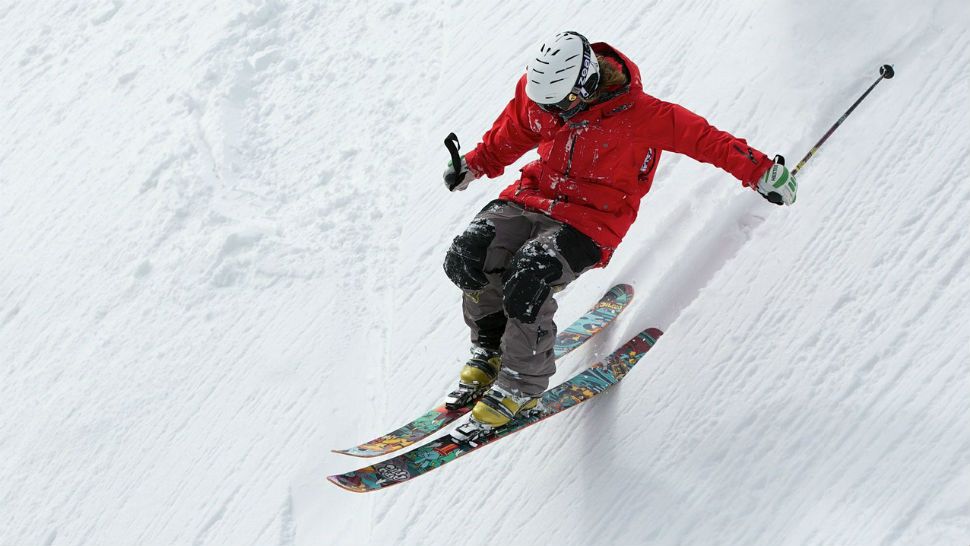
623, 289
336, 480
356, 452
620, 294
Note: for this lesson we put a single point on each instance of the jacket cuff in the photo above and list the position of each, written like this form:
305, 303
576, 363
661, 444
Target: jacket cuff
478, 164
472, 162
759, 170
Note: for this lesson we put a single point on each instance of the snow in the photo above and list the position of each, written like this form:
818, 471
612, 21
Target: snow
223, 226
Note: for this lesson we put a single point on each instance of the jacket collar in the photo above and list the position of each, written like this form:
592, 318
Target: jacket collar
622, 100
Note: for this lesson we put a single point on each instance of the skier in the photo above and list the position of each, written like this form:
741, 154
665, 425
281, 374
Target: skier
600, 138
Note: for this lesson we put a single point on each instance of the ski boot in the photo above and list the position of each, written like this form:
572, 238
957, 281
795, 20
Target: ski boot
476, 377
496, 409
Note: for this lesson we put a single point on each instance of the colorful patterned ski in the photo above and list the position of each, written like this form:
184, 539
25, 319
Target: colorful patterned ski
597, 318
441, 451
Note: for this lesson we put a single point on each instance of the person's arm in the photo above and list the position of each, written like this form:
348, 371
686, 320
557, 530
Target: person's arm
685, 132
511, 136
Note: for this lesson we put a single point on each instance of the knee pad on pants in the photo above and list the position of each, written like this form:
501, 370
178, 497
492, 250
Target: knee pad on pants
528, 282
465, 260
579, 251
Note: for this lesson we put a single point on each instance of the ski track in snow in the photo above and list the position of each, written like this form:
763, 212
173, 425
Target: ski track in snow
224, 223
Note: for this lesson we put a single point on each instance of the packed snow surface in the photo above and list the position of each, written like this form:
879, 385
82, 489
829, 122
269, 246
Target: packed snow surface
222, 227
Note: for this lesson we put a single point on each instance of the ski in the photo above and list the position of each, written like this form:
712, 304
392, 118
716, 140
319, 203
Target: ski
442, 451
598, 317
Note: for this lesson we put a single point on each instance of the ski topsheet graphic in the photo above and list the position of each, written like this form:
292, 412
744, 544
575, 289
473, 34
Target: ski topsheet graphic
581, 387
598, 317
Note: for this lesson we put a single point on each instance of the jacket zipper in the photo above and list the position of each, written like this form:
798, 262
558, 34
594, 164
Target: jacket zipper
570, 145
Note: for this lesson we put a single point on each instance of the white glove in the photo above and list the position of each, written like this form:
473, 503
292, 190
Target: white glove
778, 185
458, 181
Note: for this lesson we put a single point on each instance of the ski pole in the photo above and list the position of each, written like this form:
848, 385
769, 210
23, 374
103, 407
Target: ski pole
885, 72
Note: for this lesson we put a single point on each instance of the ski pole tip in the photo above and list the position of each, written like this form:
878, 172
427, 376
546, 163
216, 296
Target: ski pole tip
886, 71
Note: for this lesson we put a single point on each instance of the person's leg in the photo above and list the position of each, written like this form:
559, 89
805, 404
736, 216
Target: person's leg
556, 256
541, 267
476, 262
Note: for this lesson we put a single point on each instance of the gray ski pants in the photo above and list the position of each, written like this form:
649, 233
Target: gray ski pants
509, 262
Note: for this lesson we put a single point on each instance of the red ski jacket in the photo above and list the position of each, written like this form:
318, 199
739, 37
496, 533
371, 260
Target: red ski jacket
594, 168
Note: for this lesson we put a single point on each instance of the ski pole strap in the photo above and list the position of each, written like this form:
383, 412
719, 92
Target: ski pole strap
453, 179
451, 142
885, 72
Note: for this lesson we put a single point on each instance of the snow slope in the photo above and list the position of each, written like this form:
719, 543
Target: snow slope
223, 224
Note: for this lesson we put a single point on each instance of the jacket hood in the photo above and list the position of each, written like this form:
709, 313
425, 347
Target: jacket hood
617, 102
602, 48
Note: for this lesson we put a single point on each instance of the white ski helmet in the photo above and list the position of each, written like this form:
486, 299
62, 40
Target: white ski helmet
565, 65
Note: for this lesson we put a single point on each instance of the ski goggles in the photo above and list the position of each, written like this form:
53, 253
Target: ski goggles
562, 106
